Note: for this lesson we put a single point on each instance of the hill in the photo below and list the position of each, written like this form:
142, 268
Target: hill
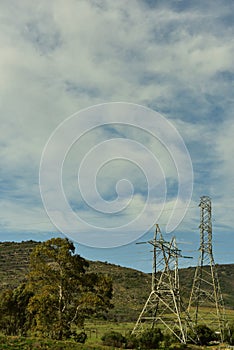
131, 288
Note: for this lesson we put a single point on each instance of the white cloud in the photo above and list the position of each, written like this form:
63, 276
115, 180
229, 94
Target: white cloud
58, 57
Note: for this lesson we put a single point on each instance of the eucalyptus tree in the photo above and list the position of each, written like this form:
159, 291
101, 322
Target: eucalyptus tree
64, 293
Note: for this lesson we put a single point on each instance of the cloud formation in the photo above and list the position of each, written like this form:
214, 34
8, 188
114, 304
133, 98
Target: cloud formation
175, 57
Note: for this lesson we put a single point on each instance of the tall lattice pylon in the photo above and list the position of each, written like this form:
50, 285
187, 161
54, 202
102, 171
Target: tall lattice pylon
164, 307
206, 304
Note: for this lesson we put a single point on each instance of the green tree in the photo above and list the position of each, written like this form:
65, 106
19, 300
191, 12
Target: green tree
14, 317
63, 292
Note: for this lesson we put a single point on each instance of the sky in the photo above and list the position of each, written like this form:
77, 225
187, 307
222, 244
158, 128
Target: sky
115, 116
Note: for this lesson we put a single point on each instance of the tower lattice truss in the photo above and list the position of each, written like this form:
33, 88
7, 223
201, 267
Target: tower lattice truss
206, 304
164, 307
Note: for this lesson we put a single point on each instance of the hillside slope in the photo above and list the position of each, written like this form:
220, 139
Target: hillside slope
130, 287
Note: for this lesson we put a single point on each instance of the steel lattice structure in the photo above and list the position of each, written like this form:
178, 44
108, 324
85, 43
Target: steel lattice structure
206, 288
164, 307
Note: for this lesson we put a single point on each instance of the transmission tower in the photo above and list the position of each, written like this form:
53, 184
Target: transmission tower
164, 307
206, 304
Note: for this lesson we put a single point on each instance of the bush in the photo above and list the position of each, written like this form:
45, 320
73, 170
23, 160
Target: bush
169, 340
132, 342
205, 334
113, 339
150, 338
80, 337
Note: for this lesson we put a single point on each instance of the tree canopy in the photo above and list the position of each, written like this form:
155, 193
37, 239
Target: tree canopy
60, 293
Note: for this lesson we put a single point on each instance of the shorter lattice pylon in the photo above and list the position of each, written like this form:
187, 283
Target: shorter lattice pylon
164, 307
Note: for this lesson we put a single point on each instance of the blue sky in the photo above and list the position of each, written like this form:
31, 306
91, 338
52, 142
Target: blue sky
175, 57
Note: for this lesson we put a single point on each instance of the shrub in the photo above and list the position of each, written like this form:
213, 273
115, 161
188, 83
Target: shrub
205, 334
169, 340
132, 342
80, 337
113, 339
150, 338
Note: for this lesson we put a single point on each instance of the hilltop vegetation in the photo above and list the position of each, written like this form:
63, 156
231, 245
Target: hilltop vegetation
14, 262
58, 295
130, 287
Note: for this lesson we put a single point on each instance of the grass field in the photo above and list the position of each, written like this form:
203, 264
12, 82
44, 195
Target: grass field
94, 330
21, 343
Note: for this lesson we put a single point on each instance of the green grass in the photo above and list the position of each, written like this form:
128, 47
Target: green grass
19, 343
22, 343
95, 330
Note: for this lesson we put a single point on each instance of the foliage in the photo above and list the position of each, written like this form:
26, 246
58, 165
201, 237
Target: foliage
205, 334
29, 343
169, 340
57, 295
150, 339
80, 337
14, 261
113, 339
63, 293
14, 318
132, 342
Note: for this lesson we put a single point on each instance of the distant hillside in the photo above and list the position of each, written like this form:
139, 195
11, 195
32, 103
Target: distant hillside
14, 260
131, 287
